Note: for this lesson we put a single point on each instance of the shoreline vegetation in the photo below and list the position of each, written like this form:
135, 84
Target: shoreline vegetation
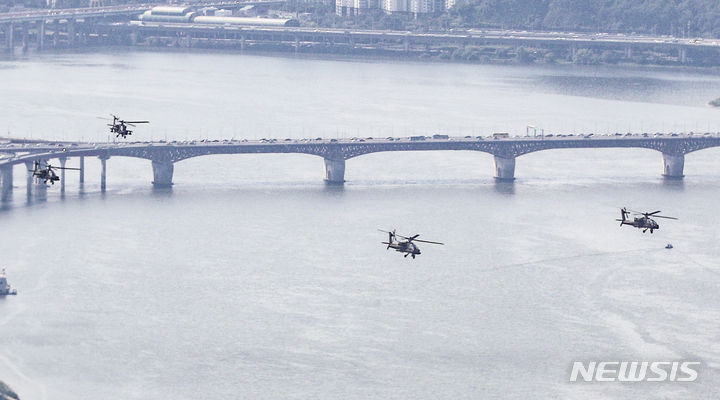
6, 393
687, 19
361, 54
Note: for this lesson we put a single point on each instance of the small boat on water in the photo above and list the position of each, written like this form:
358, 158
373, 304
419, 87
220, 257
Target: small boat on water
5, 289
669, 246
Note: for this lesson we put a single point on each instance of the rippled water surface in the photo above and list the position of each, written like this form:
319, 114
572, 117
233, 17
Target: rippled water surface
252, 279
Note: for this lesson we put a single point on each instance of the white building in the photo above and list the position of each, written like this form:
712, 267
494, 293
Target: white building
394, 6
355, 7
422, 6
409, 6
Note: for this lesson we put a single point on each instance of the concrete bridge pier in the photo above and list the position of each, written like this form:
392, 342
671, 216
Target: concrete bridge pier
673, 165
103, 171
25, 36
71, 32
56, 33
504, 168
162, 173
334, 171
41, 35
63, 160
82, 171
628, 52
10, 35
6, 180
29, 167
35, 186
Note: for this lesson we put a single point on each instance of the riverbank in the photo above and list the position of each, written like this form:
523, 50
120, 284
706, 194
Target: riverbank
366, 56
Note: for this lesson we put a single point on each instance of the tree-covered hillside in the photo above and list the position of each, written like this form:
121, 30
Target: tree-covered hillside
680, 18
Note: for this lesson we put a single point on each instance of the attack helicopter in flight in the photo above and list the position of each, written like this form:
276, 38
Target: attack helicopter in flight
120, 127
404, 246
47, 172
642, 220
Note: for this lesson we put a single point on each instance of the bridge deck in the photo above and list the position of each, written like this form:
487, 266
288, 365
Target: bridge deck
335, 151
14, 152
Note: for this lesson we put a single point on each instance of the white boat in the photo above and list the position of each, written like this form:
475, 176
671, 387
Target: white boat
5, 289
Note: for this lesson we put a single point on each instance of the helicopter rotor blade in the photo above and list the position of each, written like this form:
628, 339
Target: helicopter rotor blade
661, 216
652, 213
428, 241
137, 122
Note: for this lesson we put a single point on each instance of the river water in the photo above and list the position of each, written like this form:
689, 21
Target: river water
252, 279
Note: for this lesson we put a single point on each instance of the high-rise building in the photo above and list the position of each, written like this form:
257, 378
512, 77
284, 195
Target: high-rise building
343, 7
422, 6
394, 6
354, 7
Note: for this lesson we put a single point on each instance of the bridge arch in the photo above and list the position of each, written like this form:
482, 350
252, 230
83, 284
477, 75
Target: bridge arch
417, 163
573, 163
219, 168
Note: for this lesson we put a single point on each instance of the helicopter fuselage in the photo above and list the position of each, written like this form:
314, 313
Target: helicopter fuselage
642, 223
46, 175
120, 130
404, 247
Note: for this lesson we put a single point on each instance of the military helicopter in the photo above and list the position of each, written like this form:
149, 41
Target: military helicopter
47, 173
407, 246
644, 222
119, 126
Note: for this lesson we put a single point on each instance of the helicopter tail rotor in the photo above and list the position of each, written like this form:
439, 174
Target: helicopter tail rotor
623, 215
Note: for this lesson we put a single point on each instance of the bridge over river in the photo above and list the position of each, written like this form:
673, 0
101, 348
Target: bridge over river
335, 152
